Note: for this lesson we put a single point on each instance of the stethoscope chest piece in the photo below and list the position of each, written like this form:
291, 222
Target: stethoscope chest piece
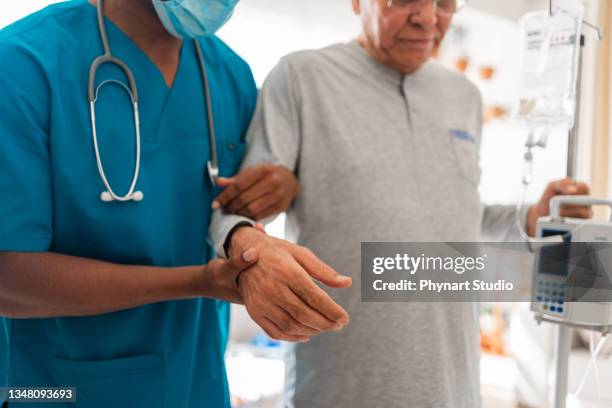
136, 196
213, 172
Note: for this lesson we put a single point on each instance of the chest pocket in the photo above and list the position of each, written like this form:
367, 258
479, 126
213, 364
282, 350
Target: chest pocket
230, 155
465, 150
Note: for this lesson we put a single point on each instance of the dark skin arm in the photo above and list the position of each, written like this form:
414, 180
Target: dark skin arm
258, 192
39, 285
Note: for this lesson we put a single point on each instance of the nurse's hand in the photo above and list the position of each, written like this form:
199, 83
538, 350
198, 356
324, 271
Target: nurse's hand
279, 292
258, 192
562, 187
221, 275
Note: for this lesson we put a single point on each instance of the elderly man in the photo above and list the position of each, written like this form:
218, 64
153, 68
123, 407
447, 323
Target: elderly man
385, 143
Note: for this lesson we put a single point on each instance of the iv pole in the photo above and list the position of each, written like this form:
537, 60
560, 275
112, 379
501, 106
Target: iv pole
563, 332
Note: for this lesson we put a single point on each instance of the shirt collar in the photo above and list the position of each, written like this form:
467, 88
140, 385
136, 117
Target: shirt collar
389, 74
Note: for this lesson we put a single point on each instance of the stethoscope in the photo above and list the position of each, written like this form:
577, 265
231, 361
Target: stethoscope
135, 195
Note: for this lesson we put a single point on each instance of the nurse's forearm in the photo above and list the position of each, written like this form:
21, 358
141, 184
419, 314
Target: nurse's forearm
35, 285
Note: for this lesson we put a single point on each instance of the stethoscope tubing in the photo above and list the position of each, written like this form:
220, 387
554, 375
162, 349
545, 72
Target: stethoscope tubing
93, 91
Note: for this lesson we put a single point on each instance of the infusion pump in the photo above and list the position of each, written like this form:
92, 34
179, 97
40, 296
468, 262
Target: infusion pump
561, 280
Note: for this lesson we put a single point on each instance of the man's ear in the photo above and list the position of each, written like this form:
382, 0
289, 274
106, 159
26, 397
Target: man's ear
356, 6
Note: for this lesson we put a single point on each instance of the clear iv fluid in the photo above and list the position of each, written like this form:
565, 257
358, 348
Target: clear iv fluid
550, 58
551, 110
550, 68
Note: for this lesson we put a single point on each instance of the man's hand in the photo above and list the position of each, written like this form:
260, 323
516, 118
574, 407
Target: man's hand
221, 275
258, 192
561, 187
279, 292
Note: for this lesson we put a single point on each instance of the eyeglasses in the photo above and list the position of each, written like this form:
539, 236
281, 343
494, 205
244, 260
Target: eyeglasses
444, 6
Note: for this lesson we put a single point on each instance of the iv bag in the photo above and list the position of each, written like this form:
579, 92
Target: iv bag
550, 65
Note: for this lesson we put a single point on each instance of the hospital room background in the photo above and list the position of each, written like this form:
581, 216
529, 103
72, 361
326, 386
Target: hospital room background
484, 44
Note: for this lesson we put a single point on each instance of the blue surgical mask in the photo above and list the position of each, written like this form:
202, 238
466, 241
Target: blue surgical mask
194, 18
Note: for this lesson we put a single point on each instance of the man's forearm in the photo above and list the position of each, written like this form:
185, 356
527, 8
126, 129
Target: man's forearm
35, 285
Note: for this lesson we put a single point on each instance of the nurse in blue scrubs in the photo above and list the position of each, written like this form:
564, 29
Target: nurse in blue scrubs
146, 323
107, 176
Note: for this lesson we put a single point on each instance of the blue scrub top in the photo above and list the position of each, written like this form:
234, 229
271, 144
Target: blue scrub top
161, 355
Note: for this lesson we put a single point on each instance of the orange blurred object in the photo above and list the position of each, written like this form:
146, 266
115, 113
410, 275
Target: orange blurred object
462, 64
487, 72
494, 112
492, 328
492, 343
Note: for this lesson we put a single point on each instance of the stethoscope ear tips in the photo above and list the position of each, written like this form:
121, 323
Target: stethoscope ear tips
137, 196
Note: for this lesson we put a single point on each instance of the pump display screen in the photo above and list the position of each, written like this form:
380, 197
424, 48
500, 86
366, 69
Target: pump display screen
554, 259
